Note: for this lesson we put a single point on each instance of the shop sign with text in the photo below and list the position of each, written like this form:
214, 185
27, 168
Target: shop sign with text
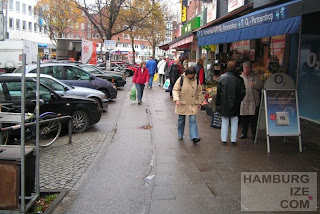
184, 5
191, 25
272, 15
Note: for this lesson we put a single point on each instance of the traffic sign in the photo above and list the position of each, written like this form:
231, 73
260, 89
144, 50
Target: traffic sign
110, 44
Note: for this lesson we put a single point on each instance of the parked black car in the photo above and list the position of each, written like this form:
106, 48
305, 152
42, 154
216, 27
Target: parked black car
75, 76
118, 80
84, 111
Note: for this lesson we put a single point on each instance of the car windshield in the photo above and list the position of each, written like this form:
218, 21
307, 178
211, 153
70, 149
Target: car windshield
90, 69
18, 70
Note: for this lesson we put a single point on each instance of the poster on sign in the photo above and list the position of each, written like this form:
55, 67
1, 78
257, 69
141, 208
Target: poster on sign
282, 112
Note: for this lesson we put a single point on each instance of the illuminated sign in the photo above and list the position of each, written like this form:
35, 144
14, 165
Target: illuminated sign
184, 4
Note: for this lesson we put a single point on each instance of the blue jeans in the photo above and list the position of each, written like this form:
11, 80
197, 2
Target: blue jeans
225, 128
150, 80
193, 128
140, 88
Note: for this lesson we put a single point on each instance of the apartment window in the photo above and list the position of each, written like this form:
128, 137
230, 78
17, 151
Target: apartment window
89, 25
45, 29
83, 26
18, 7
10, 4
136, 46
30, 27
35, 27
24, 8
77, 36
18, 24
30, 10
24, 25
11, 23
125, 45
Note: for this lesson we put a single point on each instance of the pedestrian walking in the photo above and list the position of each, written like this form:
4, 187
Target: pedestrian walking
174, 73
187, 95
152, 68
200, 71
140, 77
230, 93
161, 72
250, 104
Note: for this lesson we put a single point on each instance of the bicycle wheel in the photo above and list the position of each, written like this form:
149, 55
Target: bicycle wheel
49, 132
5, 137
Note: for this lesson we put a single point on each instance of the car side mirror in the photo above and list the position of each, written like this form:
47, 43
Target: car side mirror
92, 77
65, 88
41, 102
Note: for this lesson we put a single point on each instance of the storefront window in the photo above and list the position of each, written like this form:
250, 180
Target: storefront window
241, 50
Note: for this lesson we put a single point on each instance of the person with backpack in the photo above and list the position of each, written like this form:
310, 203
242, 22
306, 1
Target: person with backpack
187, 95
200, 71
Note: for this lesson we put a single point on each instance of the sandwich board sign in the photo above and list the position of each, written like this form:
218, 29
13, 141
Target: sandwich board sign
281, 108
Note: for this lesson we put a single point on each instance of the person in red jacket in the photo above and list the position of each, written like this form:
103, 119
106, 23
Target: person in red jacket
200, 72
140, 77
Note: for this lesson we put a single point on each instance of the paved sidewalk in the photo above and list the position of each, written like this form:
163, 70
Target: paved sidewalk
205, 178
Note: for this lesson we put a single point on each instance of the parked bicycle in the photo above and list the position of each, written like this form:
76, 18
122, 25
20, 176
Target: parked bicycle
48, 131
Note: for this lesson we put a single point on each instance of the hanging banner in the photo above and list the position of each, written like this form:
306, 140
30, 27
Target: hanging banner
234, 4
184, 5
212, 11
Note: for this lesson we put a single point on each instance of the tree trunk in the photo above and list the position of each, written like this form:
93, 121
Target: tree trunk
100, 54
133, 51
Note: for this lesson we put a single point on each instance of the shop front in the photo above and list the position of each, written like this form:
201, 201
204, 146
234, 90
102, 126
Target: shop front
276, 39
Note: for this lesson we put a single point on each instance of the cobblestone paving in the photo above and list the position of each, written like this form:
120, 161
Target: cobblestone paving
62, 164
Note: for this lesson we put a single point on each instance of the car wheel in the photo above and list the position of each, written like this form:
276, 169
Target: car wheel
106, 92
98, 101
80, 121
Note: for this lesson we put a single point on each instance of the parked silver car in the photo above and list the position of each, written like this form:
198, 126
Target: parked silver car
64, 89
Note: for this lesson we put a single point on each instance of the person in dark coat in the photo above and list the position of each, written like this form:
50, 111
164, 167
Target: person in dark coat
200, 71
230, 92
174, 73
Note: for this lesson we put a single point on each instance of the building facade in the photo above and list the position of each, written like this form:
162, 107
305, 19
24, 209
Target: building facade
21, 23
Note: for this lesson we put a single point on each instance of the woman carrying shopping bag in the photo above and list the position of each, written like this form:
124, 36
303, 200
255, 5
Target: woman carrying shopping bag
140, 77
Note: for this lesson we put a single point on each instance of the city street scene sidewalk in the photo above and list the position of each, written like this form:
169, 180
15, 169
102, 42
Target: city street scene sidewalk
129, 75
144, 168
